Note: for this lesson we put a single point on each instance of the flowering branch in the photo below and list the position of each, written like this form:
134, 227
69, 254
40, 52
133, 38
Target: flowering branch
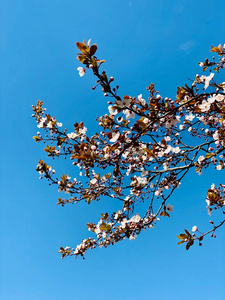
142, 152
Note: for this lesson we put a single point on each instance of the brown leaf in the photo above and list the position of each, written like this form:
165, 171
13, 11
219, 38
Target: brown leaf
82, 47
82, 59
93, 49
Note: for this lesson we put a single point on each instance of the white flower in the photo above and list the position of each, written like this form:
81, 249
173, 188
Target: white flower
161, 153
172, 121
129, 114
141, 99
135, 219
219, 97
216, 137
169, 207
213, 187
50, 125
205, 106
124, 223
127, 198
207, 79
97, 230
72, 135
93, 181
81, 71
115, 136
165, 166
201, 159
176, 150
83, 130
168, 149
219, 167
59, 124
117, 214
194, 228
141, 181
123, 103
190, 117
211, 99
157, 193
146, 120
167, 138
112, 110
132, 237
41, 123
127, 101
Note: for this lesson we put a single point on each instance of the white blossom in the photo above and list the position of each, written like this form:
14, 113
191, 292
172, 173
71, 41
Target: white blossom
201, 159
216, 137
72, 135
112, 110
189, 117
176, 150
135, 219
167, 138
219, 167
123, 103
207, 79
172, 121
194, 228
141, 99
129, 114
41, 123
83, 130
93, 181
115, 136
81, 71
124, 223
205, 106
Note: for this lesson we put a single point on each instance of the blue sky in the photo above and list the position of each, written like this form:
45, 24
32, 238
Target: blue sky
142, 42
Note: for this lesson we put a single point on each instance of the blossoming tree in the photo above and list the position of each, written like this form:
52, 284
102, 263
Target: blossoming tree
141, 153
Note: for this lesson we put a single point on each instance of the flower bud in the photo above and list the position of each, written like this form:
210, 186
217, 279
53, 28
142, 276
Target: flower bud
194, 228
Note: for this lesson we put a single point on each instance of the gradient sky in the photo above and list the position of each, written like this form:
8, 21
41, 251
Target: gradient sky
142, 42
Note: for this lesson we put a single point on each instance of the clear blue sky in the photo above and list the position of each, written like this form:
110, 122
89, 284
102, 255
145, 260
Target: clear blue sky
142, 42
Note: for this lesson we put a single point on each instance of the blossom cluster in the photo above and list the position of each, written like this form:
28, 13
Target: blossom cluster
143, 150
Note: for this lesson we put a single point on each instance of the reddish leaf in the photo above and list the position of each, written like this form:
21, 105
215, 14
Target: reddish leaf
93, 49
